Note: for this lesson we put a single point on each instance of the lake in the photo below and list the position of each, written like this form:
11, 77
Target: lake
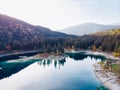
73, 73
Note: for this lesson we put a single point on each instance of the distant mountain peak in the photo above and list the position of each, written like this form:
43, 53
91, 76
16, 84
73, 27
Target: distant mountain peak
115, 24
88, 28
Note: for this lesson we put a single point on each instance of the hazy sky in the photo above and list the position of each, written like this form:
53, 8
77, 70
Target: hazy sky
57, 14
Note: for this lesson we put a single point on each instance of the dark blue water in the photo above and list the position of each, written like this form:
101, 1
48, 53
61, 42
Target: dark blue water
5, 57
73, 73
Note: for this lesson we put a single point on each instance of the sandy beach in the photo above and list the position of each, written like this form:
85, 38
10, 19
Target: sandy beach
108, 79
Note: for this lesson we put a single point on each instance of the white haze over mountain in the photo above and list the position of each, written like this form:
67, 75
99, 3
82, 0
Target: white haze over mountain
88, 28
58, 14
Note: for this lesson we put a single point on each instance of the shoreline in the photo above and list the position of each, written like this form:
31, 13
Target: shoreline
17, 55
17, 52
105, 54
107, 79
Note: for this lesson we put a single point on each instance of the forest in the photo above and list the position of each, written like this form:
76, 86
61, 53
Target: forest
17, 35
103, 41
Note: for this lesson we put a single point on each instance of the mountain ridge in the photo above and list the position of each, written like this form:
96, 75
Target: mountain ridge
87, 28
17, 34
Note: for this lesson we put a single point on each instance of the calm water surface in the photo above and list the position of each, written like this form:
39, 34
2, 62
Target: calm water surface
73, 73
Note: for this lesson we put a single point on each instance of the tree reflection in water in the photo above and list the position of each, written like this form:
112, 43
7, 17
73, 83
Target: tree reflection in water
11, 67
83, 55
56, 63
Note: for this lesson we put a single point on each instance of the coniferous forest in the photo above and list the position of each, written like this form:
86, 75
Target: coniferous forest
19, 35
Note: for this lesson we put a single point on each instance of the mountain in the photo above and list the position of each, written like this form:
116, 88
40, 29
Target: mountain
17, 34
19, 29
115, 24
87, 28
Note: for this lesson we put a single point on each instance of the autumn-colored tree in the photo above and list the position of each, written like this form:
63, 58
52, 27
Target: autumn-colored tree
8, 47
94, 48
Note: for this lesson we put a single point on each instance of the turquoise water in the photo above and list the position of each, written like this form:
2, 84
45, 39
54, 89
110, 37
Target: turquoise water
73, 73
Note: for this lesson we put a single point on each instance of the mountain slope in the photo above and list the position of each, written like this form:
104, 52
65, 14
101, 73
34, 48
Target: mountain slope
108, 41
87, 28
18, 34
21, 29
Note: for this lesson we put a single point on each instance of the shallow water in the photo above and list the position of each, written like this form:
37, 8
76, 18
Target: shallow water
73, 73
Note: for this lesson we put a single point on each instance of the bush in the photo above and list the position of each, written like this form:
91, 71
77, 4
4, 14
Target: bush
116, 54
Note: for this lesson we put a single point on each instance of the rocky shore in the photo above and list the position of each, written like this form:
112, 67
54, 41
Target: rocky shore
108, 79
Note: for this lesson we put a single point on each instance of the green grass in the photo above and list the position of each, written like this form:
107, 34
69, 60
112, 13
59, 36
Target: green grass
101, 63
116, 68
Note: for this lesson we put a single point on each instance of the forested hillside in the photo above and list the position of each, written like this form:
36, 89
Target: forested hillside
18, 35
106, 41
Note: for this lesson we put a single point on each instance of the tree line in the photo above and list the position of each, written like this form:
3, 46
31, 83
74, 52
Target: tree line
104, 41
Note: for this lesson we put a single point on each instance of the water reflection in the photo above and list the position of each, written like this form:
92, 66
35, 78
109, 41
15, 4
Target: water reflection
75, 56
12, 56
71, 76
101, 87
7, 68
56, 63
11, 67
83, 55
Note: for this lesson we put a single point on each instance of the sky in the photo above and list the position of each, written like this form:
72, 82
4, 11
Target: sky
58, 14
